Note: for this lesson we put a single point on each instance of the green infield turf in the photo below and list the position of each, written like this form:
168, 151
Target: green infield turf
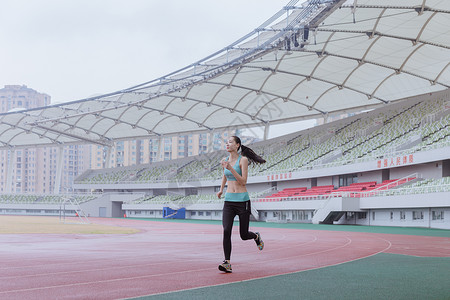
382, 276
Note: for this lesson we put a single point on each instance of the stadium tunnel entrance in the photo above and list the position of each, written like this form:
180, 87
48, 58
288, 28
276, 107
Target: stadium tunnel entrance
116, 209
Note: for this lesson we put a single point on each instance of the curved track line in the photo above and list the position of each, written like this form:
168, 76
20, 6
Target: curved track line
93, 270
102, 281
270, 276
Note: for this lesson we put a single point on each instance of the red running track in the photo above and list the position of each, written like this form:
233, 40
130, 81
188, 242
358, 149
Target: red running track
167, 256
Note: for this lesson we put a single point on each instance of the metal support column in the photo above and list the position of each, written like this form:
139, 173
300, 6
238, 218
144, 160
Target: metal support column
211, 141
9, 176
108, 156
325, 118
266, 131
160, 146
59, 168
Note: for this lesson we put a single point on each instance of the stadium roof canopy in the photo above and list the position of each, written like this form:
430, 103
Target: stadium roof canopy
309, 60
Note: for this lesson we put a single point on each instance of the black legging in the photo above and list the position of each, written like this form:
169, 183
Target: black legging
230, 210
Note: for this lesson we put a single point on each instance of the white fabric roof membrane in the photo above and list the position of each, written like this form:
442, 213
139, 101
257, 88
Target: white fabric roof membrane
323, 57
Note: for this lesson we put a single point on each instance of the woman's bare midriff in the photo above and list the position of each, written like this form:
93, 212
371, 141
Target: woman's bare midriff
235, 187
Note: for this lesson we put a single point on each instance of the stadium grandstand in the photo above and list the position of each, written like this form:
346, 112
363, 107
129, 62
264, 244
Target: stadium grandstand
376, 74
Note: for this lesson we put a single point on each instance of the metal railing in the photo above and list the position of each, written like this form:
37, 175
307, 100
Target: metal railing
390, 185
348, 194
427, 189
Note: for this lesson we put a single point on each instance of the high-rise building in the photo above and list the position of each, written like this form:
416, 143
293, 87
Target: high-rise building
25, 177
20, 96
34, 169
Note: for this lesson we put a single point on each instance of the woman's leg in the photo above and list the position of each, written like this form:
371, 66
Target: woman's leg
244, 221
228, 215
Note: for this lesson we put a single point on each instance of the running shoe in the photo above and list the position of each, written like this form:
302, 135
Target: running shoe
259, 242
225, 267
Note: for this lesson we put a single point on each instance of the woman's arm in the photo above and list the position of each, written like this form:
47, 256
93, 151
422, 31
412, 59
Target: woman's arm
224, 180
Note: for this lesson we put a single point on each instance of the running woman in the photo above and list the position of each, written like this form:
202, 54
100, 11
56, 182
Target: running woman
237, 200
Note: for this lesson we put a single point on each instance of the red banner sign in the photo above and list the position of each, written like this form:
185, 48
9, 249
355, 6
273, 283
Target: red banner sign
395, 161
279, 176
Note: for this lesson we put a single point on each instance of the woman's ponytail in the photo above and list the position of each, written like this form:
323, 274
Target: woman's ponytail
249, 153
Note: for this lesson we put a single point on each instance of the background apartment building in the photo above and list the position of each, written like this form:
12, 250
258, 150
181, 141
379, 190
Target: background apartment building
145, 151
34, 169
25, 162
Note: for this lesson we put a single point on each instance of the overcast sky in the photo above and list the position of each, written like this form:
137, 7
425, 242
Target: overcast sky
75, 49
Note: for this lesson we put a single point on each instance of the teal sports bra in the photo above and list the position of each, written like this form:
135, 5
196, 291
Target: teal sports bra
236, 166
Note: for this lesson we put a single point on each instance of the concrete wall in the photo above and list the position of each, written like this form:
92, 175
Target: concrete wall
426, 170
294, 184
370, 176
207, 190
406, 201
36, 209
325, 181
176, 190
92, 208
418, 217
289, 205
446, 168
150, 213
259, 187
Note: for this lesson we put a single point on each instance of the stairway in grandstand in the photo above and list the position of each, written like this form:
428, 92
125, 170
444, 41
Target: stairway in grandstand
333, 208
380, 134
389, 141
284, 159
332, 217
